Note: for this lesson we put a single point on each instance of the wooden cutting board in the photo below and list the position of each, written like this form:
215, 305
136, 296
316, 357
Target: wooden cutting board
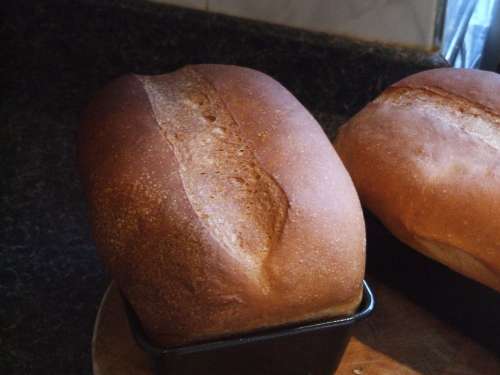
399, 338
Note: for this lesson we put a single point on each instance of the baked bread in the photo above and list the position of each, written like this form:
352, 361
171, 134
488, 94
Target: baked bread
425, 158
218, 204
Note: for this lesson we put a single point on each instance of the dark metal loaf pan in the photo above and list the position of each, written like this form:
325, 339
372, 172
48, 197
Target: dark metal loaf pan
313, 348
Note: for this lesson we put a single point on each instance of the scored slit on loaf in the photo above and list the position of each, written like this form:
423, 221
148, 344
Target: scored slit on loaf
219, 205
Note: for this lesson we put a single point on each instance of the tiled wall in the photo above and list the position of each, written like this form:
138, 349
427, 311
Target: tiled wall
407, 22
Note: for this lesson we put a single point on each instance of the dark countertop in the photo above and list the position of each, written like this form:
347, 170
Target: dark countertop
58, 54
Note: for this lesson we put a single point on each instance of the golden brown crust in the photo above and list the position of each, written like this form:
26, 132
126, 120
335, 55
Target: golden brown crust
219, 205
425, 158
478, 87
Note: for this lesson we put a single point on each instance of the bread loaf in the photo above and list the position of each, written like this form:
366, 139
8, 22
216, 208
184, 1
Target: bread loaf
425, 158
218, 204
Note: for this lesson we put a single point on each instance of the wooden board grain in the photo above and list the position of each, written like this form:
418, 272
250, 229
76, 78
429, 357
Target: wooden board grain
403, 338
399, 338
114, 351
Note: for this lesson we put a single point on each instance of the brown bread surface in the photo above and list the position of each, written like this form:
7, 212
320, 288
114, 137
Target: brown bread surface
218, 204
425, 158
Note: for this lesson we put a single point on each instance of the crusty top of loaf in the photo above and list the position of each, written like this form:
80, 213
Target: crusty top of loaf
479, 87
425, 158
218, 204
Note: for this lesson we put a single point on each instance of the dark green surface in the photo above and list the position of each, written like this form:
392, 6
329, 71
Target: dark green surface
56, 54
